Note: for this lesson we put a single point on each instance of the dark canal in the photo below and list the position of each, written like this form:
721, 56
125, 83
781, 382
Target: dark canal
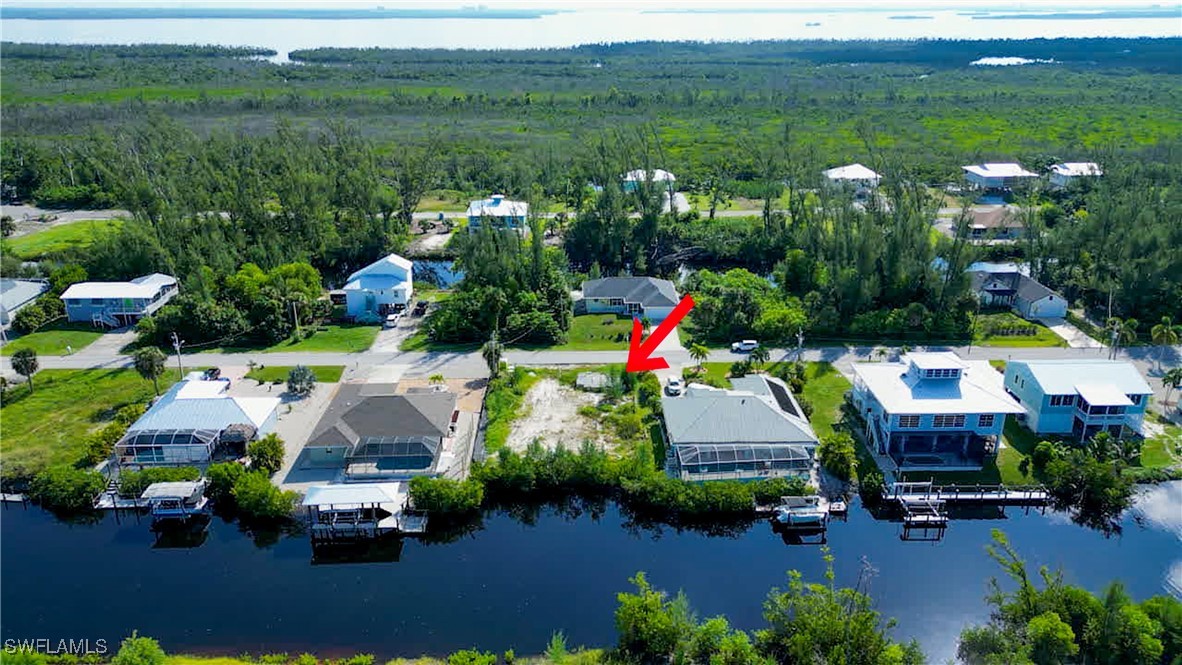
512, 584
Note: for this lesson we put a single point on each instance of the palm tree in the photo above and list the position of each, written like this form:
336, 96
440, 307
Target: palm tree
759, 356
699, 353
1164, 334
1172, 380
1122, 333
492, 351
436, 380
149, 362
24, 362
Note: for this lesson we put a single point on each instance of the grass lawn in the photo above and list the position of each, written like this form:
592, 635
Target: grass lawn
57, 238
48, 425
346, 338
596, 332
502, 402
712, 374
419, 342
278, 373
989, 327
53, 339
998, 364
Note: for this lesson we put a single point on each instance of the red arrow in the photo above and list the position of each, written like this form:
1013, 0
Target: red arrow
639, 352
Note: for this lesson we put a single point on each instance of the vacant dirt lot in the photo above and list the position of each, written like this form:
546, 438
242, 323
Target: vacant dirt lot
552, 416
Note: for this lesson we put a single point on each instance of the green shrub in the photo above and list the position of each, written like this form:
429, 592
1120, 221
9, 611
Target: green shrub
221, 478
1044, 453
258, 498
443, 495
133, 483
472, 657
769, 490
137, 650
66, 488
267, 453
836, 453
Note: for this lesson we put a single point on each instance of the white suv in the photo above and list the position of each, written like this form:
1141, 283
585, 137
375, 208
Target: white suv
745, 346
674, 386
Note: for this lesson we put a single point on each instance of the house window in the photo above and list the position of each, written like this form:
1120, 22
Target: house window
985, 420
1062, 400
908, 421
97, 301
948, 420
1135, 399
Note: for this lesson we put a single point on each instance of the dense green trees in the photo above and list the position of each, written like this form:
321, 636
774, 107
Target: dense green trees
267, 453
66, 488
446, 496
1059, 623
258, 499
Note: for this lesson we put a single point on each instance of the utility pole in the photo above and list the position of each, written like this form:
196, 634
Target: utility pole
295, 319
177, 343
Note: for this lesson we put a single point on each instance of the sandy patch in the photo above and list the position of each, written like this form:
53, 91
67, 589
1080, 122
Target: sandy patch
552, 417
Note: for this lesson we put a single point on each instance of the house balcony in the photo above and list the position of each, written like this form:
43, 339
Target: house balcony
962, 450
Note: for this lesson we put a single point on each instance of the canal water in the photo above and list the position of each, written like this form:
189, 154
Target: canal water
509, 584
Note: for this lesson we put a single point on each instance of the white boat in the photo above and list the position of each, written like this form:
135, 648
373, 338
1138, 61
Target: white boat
801, 511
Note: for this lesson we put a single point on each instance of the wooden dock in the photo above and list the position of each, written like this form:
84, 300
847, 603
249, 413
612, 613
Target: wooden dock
911, 492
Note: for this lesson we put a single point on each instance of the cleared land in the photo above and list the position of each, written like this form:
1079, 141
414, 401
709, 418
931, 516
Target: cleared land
278, 373
347, 338
48, 426
589, 332
52, 340
58, 238
550, 415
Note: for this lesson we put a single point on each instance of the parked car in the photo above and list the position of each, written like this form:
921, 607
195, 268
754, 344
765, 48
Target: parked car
745, 346
674, 386
392, 321
421, 307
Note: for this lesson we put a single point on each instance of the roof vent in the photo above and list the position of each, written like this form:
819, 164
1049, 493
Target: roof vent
497, 198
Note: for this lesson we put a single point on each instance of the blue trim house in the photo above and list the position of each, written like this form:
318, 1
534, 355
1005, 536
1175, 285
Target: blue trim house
116, 304
932, 411
499, 212
1079, 398
377, 289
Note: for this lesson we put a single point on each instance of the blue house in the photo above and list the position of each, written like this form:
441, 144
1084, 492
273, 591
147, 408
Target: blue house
379, 288
1080, 398
932, 411
116, 304
499, 212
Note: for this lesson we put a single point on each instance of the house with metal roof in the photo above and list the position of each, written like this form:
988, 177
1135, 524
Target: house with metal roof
16, 293
997, 175
382, 287
500, 213
1064, 174
194, 422
855, 175
631, 296
932, 411
1029, 298
633, 178
116, 304
755, 430
1080, 398
376, 434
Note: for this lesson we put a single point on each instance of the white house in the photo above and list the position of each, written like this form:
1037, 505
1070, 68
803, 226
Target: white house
117, 304
500, 212
1080, 397
382, 286
195, 420
1006, 175
855, 175
636, 296
633, 178
1062, 175
756, 430
933, 411
1011, 288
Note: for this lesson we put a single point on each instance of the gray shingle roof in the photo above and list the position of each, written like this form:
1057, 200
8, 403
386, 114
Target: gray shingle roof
648, 291
1026, 288
362, 411
709, 415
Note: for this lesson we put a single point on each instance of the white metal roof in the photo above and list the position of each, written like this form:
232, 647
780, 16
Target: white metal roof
180, 488
978, 390
1062, 377
656, 175
999, 170
851, 172
497, 206
201, 388
389, 265
1102, 394
356, 494
1073, 169
935, 360
141, 287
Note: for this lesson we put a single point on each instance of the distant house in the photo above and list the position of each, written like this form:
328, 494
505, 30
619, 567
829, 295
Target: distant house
1080, 398
498, 212
636, 296
1000, 223
1062, 175
997, 175
379, 288
195, 421
932, 411
118, 304
1010, 288
854, 175
376, 434
755, 430
16, 293
635, 177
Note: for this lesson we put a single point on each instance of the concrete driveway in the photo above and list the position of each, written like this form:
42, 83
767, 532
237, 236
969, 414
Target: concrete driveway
1075, 337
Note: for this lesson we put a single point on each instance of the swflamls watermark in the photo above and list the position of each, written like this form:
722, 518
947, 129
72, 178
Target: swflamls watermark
54, 647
